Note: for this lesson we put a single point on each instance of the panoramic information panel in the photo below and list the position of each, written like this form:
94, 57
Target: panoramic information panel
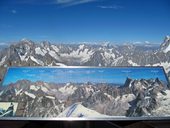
83, 92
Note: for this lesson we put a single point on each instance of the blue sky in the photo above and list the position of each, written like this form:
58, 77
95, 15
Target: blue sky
85, 20
82, 75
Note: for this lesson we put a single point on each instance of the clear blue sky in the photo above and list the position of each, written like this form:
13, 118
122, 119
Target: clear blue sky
85, 20
82, 75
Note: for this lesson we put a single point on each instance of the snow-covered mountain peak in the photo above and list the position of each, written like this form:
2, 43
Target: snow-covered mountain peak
105, 44
143, 84
27, 41
45, 44
81, 46
69, 88
167, 38
165, 46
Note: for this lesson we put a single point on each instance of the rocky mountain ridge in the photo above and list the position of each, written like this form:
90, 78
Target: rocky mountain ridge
29, 53
43, 99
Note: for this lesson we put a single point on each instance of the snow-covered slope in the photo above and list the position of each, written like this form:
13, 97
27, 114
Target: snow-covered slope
39, 62
40, 51
164, 105
30, 94
78, 110
2, 61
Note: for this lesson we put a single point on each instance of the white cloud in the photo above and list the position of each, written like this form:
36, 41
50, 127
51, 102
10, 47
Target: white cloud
110, 7
3, 44
13, 11
63, 3
90, 71
41, 71
147, 42
137, 42
73, 2
126, 71
71, 71
100, 71
31, 75
26, 71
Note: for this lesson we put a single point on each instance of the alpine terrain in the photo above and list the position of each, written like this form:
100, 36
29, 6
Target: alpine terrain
133, 98
136, 97
29, 53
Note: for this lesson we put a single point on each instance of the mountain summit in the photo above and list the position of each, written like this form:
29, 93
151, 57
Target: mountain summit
165, 46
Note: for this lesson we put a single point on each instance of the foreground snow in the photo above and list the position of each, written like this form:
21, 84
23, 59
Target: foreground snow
164, 106
78, 110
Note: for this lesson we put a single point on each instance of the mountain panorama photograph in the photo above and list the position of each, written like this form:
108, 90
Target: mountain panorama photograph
87, 92
85, 58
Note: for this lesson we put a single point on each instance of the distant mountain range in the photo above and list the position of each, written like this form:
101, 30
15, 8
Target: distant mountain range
29, 53
134, 98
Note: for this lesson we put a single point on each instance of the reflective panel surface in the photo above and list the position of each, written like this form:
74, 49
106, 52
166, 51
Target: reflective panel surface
85, 92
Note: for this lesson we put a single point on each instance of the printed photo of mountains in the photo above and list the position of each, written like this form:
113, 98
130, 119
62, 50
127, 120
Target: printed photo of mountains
87, 92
